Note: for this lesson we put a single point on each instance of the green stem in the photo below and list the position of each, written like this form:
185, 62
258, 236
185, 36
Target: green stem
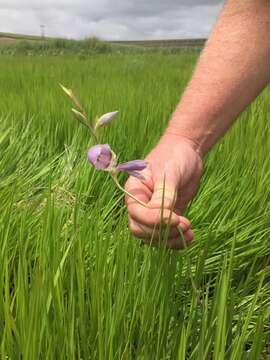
91, 130
114, 177
87, 124
83, 119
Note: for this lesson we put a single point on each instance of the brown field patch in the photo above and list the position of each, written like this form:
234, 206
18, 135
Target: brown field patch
7, 40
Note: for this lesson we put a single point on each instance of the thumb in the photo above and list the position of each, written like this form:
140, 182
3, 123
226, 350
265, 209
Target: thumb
165, 191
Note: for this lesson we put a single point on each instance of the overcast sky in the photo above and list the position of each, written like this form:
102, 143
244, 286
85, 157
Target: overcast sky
111, 19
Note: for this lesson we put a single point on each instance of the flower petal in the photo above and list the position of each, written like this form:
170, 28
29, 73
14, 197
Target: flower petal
100, 156
134, 165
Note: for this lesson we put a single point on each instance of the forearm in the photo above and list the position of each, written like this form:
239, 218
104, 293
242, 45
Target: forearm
232, 70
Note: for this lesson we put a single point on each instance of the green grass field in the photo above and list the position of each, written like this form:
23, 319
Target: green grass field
18, 44
75, 284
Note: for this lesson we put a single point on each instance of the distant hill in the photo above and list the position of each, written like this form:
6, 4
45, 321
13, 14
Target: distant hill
5, 37
171, 43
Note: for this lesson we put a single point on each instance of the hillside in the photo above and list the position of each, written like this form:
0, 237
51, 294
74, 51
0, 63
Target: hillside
170, 43
10, 37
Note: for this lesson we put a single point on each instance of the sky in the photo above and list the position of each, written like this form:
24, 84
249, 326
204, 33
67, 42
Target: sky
111, 19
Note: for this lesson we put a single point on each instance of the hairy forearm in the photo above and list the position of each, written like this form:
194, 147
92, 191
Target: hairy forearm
232, 70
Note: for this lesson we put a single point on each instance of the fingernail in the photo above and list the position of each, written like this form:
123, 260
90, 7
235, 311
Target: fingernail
184, 226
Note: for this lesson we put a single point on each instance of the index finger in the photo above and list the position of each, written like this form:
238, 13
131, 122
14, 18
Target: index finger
149, 216
141, 189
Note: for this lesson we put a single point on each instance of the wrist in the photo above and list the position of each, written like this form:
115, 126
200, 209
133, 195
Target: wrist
173, 136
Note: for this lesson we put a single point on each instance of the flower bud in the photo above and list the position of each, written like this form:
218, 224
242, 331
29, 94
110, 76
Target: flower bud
101, 156
132, 168
134, 165
105, 119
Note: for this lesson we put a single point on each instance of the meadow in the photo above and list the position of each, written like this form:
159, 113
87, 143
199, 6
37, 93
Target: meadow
75, 284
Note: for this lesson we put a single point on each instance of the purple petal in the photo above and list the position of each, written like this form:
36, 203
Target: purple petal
134, 165
100, 156
106, 118
136, 175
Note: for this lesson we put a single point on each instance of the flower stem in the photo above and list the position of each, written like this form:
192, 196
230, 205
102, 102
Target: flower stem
114, 177
83, 119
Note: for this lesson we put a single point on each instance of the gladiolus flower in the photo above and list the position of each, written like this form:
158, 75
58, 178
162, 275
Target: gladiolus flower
101, 156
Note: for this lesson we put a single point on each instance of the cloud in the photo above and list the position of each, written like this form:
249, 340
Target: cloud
111, 19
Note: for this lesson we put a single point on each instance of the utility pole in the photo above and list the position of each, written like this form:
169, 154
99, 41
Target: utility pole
42, 30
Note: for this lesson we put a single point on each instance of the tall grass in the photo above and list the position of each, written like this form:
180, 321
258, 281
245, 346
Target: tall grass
74, 283
89, 47
57, 46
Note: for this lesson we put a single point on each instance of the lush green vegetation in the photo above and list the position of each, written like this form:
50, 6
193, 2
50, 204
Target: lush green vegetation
74, 283
13, 44
50, 46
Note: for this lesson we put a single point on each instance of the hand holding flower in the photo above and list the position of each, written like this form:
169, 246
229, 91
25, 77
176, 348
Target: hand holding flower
150, 204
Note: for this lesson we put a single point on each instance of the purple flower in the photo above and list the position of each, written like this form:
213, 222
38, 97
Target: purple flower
132, 167
103, 158
106, 118
100, 156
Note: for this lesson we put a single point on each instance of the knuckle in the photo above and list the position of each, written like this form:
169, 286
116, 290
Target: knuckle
156, 219
185, 221
128, 183
166, 218
160, 219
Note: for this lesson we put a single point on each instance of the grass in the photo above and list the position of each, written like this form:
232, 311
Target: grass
18, 44
52, 46
74, 282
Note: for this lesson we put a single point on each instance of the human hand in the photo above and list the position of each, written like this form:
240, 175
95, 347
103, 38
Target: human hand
176, 160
